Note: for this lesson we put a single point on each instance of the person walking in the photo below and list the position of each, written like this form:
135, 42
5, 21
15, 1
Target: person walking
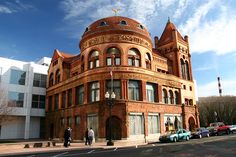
86, 137
90, 136
66, 137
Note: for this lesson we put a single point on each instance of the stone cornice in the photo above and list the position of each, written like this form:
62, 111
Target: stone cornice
121, 38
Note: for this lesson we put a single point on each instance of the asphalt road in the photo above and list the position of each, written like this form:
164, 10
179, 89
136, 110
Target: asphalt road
218, 146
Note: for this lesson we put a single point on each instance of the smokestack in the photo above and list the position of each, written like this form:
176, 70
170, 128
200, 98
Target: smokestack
156, 42
219, 86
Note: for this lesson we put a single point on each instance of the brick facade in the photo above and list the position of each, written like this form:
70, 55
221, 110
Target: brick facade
165, 68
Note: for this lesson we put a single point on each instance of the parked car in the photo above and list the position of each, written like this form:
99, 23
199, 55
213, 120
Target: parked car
232, 128
200, 132
218, 128
176, 135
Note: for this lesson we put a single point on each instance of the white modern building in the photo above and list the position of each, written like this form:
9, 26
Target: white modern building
23, 86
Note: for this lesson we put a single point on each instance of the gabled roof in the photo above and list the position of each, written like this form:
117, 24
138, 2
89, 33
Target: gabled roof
167, 34
57, 54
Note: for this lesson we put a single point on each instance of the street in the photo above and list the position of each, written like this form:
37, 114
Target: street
216, 146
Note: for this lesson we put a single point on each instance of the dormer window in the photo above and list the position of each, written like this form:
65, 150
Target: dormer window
123, 22
103, 23
87, 29
141, 26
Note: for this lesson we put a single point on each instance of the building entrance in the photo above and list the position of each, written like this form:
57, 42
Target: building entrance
116, 128
191, 123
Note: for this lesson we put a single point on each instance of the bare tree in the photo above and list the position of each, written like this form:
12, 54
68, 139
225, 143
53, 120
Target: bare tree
217, 109
5, 110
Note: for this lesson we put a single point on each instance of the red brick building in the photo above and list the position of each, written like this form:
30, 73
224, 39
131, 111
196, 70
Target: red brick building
153, 84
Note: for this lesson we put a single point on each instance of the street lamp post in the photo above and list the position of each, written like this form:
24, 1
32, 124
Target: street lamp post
110, 103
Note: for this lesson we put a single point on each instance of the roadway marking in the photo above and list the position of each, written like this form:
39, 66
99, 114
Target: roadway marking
60, 154
90, 151
115, 149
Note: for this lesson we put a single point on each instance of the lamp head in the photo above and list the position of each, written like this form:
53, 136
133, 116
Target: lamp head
107, 95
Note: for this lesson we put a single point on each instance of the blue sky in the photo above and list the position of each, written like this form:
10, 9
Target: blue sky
31, 29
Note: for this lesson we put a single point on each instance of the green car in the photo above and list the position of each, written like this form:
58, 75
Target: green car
176, 135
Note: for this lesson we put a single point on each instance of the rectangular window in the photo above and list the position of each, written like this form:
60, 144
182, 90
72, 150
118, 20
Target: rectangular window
134, 90
69, 97
136, 124
17, 77
153, 124
63, 105
94, 92
77, 120
80, 95
109, 61
137, 61
15, 99
69, 120
38, 101
150, 91
40, 80
50, 103
96, 63
116, 88
173, 122
117, 61
56, 102
90, 65
130, 61
62, 121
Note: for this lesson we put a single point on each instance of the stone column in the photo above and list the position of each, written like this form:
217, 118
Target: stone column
162, 123
143, 91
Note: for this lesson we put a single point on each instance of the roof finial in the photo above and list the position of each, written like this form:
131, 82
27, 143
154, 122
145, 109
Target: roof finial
115, 10
168, 20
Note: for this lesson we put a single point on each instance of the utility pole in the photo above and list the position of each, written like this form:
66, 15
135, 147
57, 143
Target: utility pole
219, 86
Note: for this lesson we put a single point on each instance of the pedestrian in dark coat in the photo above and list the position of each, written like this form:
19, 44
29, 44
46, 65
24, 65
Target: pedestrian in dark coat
86, 137
66, 137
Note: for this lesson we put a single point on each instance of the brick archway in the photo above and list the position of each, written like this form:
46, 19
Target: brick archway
116, 128
191, 123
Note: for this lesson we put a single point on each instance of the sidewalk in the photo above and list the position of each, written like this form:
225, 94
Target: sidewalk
12, 148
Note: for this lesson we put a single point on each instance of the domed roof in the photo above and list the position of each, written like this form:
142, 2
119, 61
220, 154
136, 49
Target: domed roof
116, 24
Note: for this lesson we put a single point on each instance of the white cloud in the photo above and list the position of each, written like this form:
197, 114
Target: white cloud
204, 68
211, 88
14, 6
216, 34
93, 9
6, 10
183, 4
166, 3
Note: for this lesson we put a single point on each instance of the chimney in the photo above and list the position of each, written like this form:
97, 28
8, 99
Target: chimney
186, 38
156, 41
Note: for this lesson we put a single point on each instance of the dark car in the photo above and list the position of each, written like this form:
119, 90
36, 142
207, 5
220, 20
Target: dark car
200, 132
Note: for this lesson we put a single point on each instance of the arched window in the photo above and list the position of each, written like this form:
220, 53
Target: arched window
93, 59
176, 98
123, 22
148, 60
182, 68
113, 56
103, 23
134, 57
187, 70
170, 97
82, 64
58, 76
51, 80
164, 96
